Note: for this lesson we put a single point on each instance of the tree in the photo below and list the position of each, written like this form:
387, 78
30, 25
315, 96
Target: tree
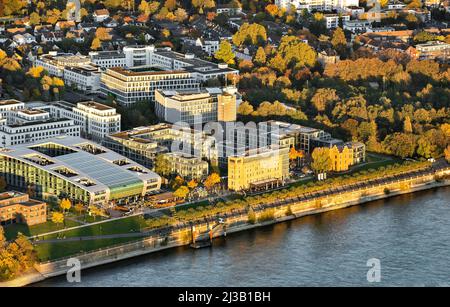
260, 57
144, 7
57, 218
225, 53
181, 192
245, 108
2, 238
3, 184
321, 161
96, 44
323, 97
161, 165
407, 126
35, 19
250, 34
177, 182
170, 5
203, 4
447, 153
181, 15
12, 7
272, 9
192, 184
79, 207
400, 144
339, 41
65, 204
102, 34
211, 181
296, 53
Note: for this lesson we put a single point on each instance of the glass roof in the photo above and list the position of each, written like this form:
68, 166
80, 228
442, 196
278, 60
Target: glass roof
99, 170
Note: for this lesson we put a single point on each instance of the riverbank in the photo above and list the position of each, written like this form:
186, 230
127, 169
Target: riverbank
235, 224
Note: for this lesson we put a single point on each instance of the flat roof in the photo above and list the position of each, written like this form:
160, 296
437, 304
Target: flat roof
97, 168
96, 105
149, 72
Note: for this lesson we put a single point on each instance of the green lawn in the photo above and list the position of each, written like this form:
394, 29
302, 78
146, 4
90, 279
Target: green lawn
11, 231
375, 161
125, 225
50, 251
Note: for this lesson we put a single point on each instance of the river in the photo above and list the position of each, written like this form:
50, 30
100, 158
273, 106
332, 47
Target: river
409, 234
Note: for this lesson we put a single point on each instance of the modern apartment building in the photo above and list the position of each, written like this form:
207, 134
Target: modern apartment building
17, 207
199, 106
78, 169
318, 5
162, 58
129, 86
332, 20
21, 125
143, 144
96, 120
187, 166
258, 169
433, 50
108, 59
55, 62
85, 78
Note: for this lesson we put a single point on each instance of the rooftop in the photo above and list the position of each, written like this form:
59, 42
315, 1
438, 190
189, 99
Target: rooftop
91, 166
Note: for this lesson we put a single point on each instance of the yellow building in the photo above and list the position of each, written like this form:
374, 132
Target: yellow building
258, 169
341, 158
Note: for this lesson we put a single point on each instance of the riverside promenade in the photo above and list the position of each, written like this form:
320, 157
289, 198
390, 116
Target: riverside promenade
312, 203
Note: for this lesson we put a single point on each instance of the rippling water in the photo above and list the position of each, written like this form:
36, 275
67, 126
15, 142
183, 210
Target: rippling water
409, 234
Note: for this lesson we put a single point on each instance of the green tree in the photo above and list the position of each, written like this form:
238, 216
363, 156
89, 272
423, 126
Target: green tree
225, 53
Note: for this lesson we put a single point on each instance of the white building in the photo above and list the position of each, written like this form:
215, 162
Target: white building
96, 120
198, 106
319, 5
55, 62
108, 59
101, 15
358, 26
85, 78
163, 58
208, 46
332, 20
129, 86
21, 125
23, 39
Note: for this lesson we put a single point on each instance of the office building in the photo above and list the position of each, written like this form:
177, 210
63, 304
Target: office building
194, 107
96, 120
262, 168
129, 86
78, 169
